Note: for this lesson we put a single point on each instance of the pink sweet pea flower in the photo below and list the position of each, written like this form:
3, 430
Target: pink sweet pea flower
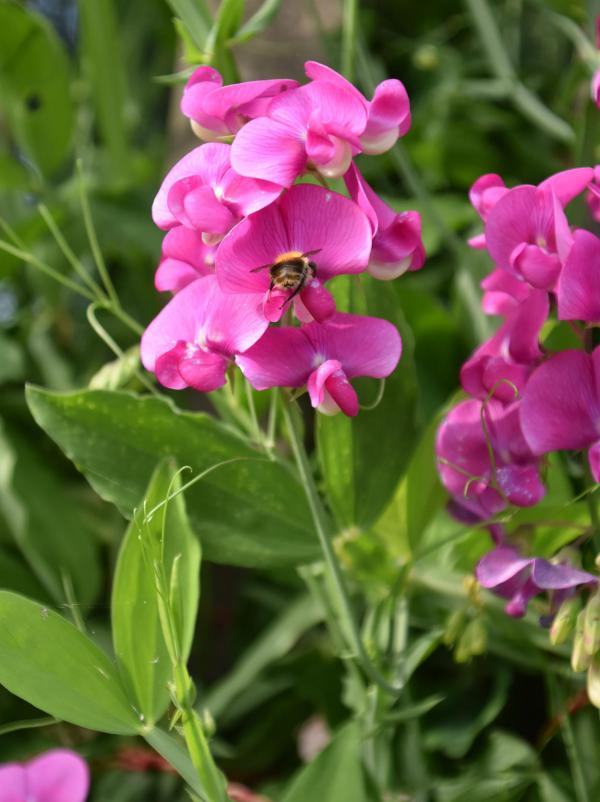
317, 127
527, 234
388, 114
324, 356
193, 339
305, 220
185, 258
502, 293
218, 112
506, 360
55, 776
561, 406
203, 192
484, 194
519, 579
593, 195
397, 244
464, 460
578, 292
595, 88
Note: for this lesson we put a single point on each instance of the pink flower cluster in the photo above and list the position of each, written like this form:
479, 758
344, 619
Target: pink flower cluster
524, 400
246, 241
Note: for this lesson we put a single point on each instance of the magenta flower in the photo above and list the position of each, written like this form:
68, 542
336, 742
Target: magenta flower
324, 356
484, 194
317, 126
193, 339
506, 360
592, 197
464, 460
388, 114
203, 192
55, 776
397, 244
502, 293
561, 406
185, 258
307, 224
218, 112
578, 291
519, 579
595, 88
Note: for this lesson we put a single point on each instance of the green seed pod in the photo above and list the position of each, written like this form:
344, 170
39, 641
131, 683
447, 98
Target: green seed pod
580, 659
454, 626
591, 627
593, 682
564, 621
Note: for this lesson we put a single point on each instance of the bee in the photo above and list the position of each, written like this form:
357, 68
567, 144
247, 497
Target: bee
291, 271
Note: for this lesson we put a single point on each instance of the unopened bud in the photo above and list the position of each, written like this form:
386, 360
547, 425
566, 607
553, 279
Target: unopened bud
472, 642
593, 682
580, 659
454, 627
591, 627
564, 621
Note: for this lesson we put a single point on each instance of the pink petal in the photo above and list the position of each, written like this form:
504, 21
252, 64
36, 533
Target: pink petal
362, 194
339, 110
207, 162
521, 484
234, 96
172, 275
202, 314
269, 150
185, 258
196, 206
166, 366
389, 110
499, 566
568, 183
579, 289
330, 391
560, 407
58, 776
595, 88
502, 292
306, 218
202, 83
13, 785
486, 192
321, 72
365, 346
283, 357
247, 195
525, 324
316, 300
203, 371
560, 576
537, 267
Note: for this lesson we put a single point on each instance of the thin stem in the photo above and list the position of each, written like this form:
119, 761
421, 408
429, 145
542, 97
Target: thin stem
258, 435
579, 780
349, 26
351, 631
68, 251
526, 102
272, 422
31, 259
93, 238
592, 507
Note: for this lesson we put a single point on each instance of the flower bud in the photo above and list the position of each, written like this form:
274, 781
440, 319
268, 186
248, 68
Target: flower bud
564, 621
472, 642
591, 627
454, 627
580, 659
593, 682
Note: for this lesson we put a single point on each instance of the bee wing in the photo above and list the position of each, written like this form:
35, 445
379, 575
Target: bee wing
312, 253
262, 267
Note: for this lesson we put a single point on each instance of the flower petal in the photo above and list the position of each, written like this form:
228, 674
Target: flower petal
269, 150
283, 357
579, 288
500, 565
560, 405
13, 783
551, 576
568, 183
196, 206
58, 776
203, 371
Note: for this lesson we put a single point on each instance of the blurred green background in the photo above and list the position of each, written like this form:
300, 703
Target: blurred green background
499, 87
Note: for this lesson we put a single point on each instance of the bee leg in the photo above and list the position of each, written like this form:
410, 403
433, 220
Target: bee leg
298, 289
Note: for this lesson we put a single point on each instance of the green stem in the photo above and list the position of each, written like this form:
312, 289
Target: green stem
349, 625
349, 25
526, 102
93, 238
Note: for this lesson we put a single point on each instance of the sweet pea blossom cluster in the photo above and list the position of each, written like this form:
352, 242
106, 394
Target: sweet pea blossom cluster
249, 248
525, 401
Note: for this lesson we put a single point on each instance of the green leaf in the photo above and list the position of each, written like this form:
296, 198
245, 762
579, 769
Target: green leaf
258, 22
349, 449
251, 512
103, 64
174, 751
12, 362
45, 522
196, 18
48, 662
137, 633
417, 500
35, 84
335, 775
